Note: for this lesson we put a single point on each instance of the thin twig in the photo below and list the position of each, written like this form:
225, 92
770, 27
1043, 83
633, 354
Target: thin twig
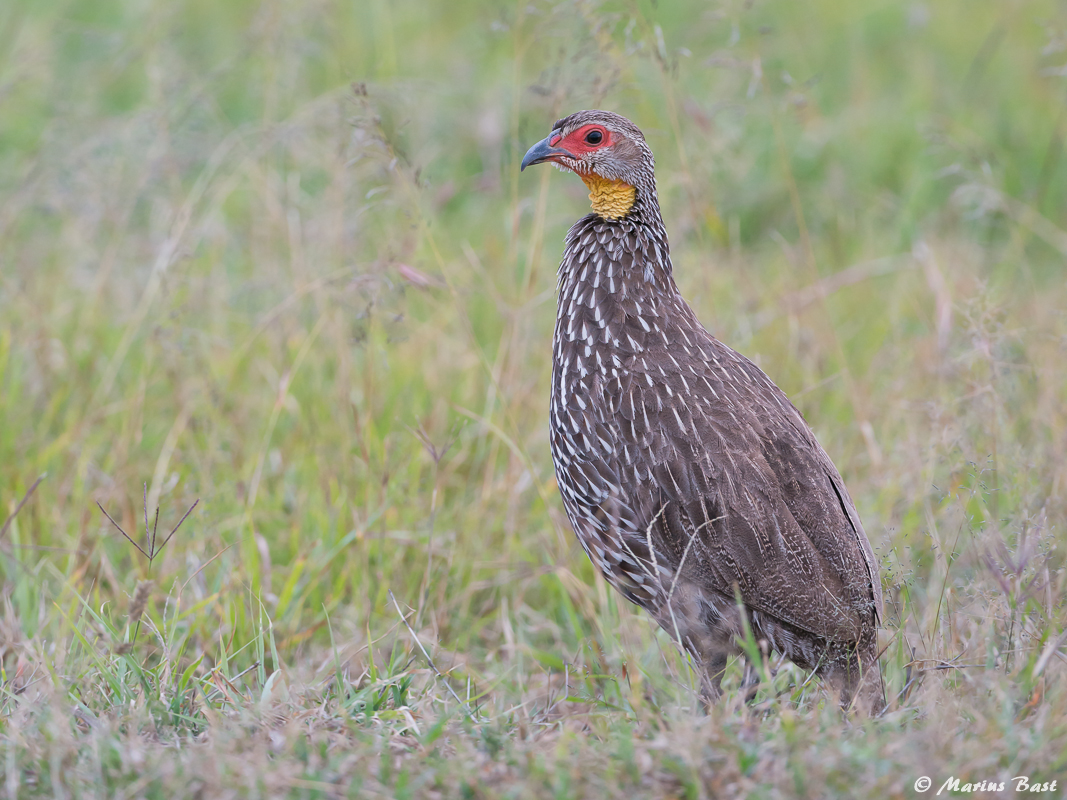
120, 530
201, 569
229, 681
1050, 649
678, 572
187, 513
144, 505
150, 533
429, 660
942, 664
18, 508
903, 696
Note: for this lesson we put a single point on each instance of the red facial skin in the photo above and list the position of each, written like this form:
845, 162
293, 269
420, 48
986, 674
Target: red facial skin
576, 144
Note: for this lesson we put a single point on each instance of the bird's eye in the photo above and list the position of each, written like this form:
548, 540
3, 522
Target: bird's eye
594, 137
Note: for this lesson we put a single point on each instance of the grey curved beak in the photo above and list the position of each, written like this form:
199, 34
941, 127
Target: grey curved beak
541, 152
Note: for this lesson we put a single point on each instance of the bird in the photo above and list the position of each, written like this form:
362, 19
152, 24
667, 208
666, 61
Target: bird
690, 479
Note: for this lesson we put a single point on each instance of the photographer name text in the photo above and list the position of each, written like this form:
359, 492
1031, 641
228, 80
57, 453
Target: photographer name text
1021, 783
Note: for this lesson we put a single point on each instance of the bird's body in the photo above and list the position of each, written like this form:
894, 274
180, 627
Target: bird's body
691, 481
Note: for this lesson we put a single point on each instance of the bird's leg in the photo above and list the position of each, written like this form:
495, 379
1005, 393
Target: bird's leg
711, 679
868, 695
858, 678
750, 681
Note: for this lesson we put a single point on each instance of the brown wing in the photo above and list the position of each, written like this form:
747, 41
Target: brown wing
734, 465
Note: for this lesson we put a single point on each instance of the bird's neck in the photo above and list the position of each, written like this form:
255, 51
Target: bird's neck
626, 227
611, 199
615, 268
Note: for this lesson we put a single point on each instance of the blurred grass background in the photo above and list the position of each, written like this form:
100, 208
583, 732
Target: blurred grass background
279, 257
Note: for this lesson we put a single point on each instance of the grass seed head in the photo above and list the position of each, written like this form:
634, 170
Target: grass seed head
140, 600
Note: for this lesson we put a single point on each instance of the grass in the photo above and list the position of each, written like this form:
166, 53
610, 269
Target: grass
278, 258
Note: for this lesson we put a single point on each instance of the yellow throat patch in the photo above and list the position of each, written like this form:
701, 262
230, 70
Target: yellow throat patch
610, 199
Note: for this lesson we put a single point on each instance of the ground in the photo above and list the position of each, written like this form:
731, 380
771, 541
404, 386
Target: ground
278, 259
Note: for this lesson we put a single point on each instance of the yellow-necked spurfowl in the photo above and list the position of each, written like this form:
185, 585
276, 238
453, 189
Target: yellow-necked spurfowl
690, 479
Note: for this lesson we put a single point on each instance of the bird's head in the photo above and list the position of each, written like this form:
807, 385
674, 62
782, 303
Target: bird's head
607, 151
